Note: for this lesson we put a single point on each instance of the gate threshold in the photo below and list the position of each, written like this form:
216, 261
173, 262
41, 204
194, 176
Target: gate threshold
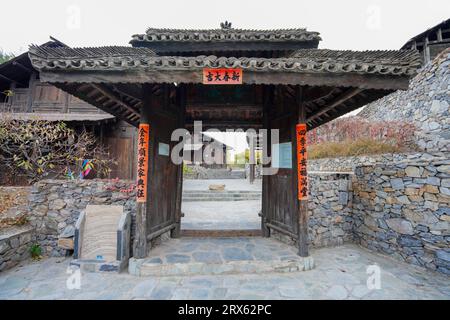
199, 233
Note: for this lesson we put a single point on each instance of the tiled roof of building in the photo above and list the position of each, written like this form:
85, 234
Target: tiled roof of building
224, 35
403, 62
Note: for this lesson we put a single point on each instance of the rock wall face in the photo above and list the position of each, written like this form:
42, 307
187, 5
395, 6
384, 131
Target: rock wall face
403, 209
15, 246
55, 206
400, 207
349, 164
330, 209
426, 104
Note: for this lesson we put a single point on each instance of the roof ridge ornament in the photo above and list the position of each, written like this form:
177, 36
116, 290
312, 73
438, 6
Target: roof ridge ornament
225, 25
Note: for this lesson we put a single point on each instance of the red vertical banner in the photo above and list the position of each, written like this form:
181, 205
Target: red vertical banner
302, 176
142, 162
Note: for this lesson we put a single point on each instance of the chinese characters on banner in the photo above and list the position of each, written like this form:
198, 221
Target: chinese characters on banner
142, 164
301, 162
222, 76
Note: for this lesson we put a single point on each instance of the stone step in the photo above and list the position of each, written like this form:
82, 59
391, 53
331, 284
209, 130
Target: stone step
220, 233
221, 192
219, 256
220, 199
235, 195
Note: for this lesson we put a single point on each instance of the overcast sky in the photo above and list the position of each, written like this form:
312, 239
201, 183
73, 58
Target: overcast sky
344, 24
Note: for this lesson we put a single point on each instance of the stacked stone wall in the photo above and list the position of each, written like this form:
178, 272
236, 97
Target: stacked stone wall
426, 105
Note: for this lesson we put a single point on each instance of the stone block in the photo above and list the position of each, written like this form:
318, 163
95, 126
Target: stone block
412, 171
397, 184
401, 226
66, 243
343, 198
216, 187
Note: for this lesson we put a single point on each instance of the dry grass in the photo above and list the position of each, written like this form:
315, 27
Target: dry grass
11, 198
349, 148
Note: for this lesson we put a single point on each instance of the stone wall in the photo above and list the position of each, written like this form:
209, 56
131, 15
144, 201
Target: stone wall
426, 104
403, 209
15, 244
330, 210
199, 172
400, 207
349, 164
55, 206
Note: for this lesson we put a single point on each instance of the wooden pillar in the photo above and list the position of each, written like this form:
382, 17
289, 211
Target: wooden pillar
143, 171
267, 102
426, 51
252, 160
31, 86
181, 103
300, 173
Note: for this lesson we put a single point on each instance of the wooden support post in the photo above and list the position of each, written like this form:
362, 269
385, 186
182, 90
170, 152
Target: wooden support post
181, 102
252, 160
31, 86
143, 149
267, 102
300, 175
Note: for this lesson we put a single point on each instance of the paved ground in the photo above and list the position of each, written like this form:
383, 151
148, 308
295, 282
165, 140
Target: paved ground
230, 184
224, 215
222, 250
341, 273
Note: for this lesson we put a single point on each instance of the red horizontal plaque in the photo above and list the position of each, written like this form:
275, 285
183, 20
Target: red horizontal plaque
222, 76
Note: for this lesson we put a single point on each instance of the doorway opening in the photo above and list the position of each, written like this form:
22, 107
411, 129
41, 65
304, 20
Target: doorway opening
222, 192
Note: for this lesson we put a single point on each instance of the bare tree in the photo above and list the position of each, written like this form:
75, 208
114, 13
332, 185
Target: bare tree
41, 149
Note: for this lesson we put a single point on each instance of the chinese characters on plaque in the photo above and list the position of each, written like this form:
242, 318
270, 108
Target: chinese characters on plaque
222, 76
142, 164
301, 162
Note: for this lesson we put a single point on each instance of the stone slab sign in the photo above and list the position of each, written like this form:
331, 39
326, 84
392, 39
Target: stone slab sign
102, 239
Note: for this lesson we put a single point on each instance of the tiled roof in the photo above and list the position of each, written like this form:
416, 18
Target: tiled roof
225, 35
69, 117
306, 61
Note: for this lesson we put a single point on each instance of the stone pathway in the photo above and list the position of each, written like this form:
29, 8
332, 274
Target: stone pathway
221, 215
227, 215
230, 184
341, 273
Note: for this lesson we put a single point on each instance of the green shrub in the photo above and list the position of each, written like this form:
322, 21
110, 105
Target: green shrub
36, 251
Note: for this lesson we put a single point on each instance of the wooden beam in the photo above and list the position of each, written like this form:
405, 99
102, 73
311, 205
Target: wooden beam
105, 91
340, 99
73, 90
439, 34
345, 79
302, 213
21, 66
11, 80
